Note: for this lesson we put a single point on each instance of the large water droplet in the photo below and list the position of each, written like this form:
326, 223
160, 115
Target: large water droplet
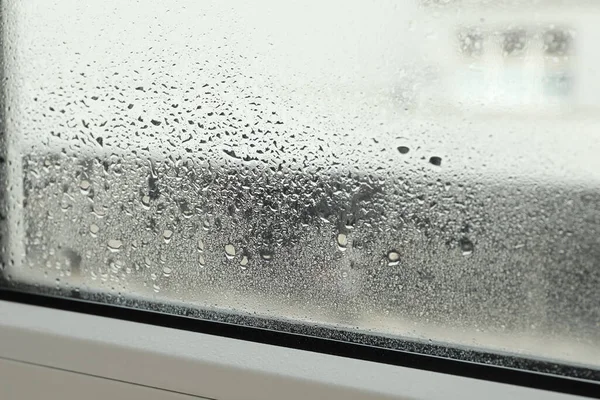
167, 234
244, 262
98, 210
229, 251
403, 149
437, 161
266, 255
200, 245
342, 241
167, 271
114, 244
393, 258
146, 201
64, 205
84, 185
466, 246
94, 229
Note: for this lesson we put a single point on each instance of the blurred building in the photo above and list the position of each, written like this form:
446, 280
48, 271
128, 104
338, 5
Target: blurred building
521, 56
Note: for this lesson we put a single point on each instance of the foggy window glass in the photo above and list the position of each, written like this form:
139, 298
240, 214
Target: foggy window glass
421, 172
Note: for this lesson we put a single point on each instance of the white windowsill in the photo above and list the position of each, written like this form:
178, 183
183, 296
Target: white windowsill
218, 367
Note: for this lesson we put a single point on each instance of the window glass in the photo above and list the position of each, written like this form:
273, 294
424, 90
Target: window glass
425, 171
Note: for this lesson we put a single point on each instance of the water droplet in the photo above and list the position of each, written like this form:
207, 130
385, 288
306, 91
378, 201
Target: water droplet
167, 234
115, 267
229, 251
342, 241
466, 246
98, 210
156, 288
114, 244
393, 258
266, 255
94, 229
403, 149
244, 262
200, 246
64, 205
167, 271
84, 185
437, 161
146, 201
201, 261
206, 224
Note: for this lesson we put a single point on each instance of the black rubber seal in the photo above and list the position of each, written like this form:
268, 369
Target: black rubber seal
494, 373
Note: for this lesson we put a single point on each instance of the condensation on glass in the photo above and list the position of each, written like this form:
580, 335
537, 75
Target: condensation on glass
423, 170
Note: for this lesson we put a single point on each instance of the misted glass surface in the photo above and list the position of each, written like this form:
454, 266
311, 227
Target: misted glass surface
421, 170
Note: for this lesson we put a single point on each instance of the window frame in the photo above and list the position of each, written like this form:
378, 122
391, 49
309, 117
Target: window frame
132, 344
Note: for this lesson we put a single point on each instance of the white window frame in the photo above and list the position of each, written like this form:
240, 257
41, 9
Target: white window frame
197, 364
